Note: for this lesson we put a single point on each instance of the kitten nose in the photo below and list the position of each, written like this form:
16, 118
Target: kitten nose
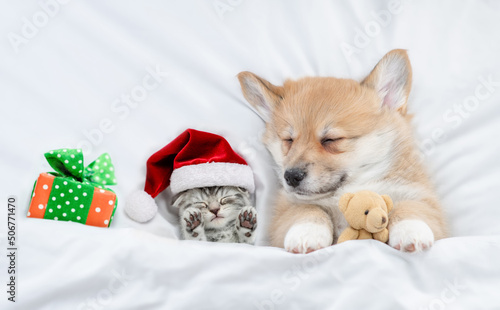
215, 211
294, 176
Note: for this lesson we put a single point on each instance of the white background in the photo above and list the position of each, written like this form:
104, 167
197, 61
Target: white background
63, 76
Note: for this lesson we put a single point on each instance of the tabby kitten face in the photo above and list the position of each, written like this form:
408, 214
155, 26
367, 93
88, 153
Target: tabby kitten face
219, 205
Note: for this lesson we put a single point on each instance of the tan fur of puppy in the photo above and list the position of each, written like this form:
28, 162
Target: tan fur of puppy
330, 136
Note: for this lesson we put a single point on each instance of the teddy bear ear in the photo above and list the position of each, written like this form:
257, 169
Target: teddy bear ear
388, 202
344, 201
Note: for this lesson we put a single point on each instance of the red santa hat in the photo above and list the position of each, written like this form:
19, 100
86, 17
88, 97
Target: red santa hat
193, 159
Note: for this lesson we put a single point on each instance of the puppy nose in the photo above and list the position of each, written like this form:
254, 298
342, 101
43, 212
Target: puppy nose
215, 211
294, 176
384, 220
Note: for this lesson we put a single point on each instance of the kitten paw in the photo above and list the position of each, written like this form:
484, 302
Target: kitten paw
246, 225
411, 236
307, 237
193, 220
248, 219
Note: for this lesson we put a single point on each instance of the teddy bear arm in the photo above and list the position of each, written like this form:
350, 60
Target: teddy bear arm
382, 235
364, 234
348, 234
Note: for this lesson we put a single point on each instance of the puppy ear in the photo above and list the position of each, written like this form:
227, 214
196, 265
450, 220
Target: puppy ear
391, 79
344, 201
388, 202
261, 94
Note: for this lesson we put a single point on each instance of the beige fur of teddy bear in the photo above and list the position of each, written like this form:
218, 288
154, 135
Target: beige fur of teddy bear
367, 214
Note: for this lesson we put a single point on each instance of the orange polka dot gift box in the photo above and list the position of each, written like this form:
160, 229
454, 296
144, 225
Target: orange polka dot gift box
75, 193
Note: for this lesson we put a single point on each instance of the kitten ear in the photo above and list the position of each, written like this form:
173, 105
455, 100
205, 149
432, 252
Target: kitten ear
391, 79
261, 94
244, 191
177, 199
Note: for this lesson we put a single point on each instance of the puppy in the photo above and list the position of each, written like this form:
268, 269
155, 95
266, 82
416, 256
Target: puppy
330, 136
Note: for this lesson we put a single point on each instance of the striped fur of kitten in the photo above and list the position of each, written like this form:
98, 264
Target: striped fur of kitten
217, 214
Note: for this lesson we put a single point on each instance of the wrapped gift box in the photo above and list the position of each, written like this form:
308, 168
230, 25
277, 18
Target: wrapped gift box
75, 193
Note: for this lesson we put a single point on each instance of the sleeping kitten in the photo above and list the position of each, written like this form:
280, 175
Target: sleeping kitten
217, 214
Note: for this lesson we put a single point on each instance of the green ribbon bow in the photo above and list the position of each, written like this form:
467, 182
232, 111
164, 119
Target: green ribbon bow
69, 163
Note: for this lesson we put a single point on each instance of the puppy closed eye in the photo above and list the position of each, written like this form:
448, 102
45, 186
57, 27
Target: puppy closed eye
288, 141
286, 136
331, 145
287, 145
327, 141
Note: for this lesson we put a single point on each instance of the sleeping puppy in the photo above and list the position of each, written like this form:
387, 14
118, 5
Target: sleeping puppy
330, 136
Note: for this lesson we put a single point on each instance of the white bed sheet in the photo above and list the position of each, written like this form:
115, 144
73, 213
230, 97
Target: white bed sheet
70, 74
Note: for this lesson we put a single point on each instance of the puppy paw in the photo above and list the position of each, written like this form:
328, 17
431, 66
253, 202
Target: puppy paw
411, 236
308, 237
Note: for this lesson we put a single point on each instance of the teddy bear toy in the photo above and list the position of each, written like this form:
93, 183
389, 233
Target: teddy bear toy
366, 213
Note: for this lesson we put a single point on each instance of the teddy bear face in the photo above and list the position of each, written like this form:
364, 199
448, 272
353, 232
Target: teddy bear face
366, 210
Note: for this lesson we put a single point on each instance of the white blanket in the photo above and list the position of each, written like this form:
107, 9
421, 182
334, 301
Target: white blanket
128, 77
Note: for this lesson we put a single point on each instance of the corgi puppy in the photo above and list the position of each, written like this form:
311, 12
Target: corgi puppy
331, 136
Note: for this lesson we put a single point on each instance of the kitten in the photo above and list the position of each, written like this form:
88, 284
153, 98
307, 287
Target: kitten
217, 214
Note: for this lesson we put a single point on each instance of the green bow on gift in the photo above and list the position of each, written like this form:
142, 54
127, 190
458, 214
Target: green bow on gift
69, 163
